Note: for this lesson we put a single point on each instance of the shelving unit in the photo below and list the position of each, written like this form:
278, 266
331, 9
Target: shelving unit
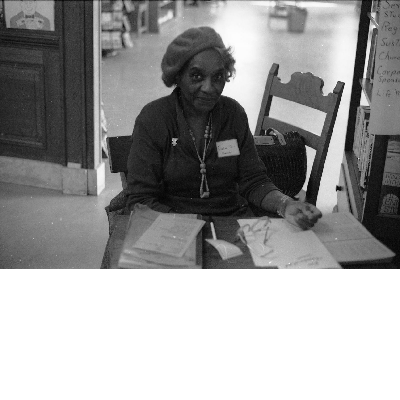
111, 25
115, 24
364, 203
161, 11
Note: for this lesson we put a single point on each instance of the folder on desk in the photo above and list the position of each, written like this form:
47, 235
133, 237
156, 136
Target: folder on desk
151, 240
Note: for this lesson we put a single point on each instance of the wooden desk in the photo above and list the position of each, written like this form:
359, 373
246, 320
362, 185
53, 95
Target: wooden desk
225, 228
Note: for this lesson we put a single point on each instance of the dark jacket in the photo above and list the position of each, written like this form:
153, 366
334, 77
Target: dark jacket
167, 178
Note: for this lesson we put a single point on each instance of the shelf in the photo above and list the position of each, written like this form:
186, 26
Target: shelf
371, 207
356, 195
367, 87
365, 203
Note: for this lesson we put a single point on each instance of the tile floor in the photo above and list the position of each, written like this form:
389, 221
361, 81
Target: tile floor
45, 229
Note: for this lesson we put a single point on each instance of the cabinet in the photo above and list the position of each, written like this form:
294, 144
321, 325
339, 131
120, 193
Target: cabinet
365, 200
162, 11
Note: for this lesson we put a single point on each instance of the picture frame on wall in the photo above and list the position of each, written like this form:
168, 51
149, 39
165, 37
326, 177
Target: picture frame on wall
31, 15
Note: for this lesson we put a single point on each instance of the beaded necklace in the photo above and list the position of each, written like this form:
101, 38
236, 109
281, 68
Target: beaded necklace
204, 189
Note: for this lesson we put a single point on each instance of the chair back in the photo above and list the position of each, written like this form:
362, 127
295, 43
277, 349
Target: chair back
118, 152
304, 89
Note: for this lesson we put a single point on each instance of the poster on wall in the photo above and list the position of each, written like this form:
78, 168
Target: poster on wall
23, 14
386, 83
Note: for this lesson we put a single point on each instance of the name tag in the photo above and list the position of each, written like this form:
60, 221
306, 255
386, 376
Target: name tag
228, 148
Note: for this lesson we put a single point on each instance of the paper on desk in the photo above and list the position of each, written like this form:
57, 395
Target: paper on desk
339, 226
349, 241
288, 247
170, 234
131, 257
225, 249
142, 217
305, 251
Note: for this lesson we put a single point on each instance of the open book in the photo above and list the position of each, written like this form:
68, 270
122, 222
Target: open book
335, 238
284, 245
349, 241
160, 240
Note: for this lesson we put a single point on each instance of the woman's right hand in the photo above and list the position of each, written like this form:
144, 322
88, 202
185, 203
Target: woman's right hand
302, 214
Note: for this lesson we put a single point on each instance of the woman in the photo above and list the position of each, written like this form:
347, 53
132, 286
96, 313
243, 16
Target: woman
192, 151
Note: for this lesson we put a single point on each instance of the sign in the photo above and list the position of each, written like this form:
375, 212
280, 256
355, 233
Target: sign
385, 110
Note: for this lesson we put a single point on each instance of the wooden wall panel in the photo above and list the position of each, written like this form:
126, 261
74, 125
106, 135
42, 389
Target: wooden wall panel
23, 103
31, 114
50, 89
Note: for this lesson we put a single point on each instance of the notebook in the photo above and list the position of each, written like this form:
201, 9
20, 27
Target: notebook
162, 240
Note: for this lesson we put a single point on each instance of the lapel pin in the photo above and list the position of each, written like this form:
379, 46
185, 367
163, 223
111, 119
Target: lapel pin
174, 141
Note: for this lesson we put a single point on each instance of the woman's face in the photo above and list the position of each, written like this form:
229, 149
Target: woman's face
202, 81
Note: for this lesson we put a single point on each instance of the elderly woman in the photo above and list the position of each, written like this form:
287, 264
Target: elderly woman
192, 151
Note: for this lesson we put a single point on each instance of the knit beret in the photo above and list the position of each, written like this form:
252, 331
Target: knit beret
184, 47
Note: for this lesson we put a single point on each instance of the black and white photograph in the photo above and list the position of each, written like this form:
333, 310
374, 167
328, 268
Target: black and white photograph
242, 114
199, 199
34, 14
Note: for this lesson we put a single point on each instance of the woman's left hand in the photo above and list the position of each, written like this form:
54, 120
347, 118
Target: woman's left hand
304, 215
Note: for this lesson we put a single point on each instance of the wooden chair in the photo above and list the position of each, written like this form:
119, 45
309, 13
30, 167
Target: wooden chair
304, 89
118, 152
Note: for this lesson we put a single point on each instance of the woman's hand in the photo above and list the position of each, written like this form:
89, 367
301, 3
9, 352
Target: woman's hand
304, 215
298, 213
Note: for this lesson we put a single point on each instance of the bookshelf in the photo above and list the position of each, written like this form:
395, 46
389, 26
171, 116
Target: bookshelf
115, 24
366, 201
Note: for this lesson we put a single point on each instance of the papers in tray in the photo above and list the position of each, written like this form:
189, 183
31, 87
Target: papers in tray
159, 240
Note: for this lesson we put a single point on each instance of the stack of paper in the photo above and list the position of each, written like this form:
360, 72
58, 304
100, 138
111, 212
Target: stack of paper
159, 240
